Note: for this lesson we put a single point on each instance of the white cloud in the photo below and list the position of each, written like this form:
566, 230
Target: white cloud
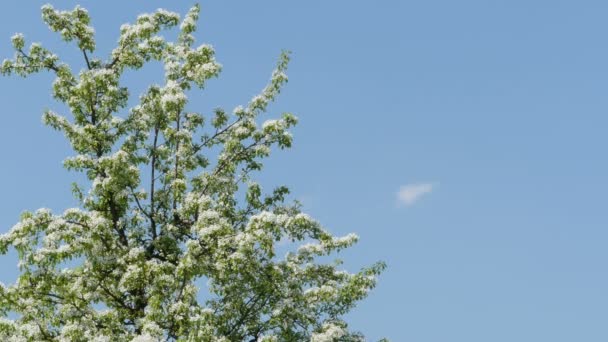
411, 193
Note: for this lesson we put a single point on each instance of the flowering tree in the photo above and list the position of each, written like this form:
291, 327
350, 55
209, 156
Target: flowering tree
163, 213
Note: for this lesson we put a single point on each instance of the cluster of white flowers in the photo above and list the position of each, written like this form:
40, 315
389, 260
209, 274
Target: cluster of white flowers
189, 23
18, 40
73, 25
147, 24
145, 338
173, 96
330, 333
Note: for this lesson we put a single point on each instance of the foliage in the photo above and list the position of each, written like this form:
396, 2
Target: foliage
163, 212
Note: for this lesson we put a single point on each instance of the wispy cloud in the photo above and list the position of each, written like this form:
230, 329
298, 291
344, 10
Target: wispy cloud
411, 193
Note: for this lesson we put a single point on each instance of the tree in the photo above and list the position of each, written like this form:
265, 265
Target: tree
163, 212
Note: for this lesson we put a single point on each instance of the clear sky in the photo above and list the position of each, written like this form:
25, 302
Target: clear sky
464, 141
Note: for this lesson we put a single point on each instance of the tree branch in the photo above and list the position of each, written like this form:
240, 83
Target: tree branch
86, 58
152, 184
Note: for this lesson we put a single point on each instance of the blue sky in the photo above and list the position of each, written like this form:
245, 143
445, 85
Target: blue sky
494, 112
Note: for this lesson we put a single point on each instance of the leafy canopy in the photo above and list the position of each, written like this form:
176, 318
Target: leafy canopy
163, 214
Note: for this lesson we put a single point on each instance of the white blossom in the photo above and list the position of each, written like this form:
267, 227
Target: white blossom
330, 333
